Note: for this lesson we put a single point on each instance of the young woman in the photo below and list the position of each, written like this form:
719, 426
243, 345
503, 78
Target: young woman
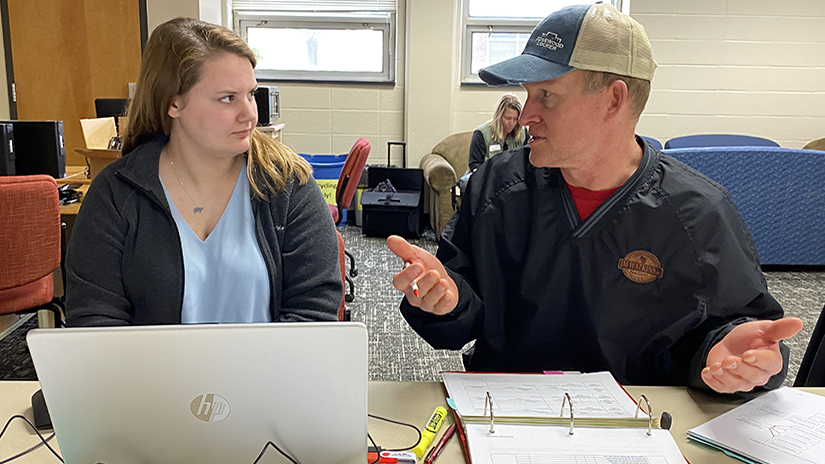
499, 134
204, 219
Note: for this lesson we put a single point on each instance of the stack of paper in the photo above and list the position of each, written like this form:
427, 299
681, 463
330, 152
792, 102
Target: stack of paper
511, 444
785, 426
536, 399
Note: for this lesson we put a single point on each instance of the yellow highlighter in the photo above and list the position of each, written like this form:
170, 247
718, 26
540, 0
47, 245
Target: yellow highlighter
430, 430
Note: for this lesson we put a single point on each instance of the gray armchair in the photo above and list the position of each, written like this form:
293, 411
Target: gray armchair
442, 169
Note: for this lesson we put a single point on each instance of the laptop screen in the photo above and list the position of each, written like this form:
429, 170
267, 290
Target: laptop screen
206, 393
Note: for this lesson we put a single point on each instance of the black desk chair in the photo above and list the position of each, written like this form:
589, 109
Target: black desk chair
812, 369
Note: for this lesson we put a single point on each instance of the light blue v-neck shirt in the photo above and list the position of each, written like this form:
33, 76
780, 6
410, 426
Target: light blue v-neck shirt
225, 277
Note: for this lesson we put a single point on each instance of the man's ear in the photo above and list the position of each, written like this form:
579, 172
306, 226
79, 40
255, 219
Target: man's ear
617, 98
175, 107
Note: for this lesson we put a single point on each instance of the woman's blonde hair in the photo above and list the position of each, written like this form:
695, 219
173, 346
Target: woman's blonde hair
171, 66
508, 101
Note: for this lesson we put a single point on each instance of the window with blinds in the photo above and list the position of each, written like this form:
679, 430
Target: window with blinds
320, 40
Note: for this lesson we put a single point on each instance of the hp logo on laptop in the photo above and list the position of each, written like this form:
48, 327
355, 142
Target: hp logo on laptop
210, 408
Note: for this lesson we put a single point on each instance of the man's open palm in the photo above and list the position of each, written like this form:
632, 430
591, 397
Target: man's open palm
748, 355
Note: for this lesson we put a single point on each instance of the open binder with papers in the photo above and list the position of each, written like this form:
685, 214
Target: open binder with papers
509, 418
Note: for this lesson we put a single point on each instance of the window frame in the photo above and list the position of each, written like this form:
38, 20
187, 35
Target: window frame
383, 20
498, 25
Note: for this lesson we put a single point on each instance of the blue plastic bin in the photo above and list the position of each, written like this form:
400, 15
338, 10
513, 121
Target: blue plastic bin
327, 169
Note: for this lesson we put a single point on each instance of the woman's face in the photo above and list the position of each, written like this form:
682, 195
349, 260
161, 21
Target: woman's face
217, 115
509, 120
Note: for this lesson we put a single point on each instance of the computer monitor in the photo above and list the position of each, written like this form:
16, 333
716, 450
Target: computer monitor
111, 107
211, 394
39, 148
7, 166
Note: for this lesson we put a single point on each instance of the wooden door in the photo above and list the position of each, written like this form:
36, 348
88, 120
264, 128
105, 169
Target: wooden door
66, 53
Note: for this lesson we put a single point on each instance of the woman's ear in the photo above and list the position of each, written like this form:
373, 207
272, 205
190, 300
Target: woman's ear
175, 107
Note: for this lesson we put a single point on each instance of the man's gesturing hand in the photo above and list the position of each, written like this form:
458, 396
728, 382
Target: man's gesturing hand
748, 355
438, 293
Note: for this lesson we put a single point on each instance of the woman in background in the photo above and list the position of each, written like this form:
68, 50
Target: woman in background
204, 219
501, 133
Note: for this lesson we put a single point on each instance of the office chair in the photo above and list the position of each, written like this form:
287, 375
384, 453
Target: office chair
347, 185
718, 140
32, 244
343, 314
812, 368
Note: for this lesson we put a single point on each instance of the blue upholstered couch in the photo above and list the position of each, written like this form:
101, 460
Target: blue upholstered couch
780, 193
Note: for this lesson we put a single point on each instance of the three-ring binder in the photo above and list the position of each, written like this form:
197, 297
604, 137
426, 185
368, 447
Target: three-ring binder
569, 402
489, 398
590, 422
604, 420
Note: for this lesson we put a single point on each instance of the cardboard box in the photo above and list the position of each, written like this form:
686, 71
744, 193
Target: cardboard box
97, 133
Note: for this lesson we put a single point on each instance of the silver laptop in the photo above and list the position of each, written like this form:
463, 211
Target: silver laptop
206, 393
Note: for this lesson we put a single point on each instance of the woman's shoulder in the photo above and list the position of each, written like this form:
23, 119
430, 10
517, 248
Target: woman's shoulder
295, 192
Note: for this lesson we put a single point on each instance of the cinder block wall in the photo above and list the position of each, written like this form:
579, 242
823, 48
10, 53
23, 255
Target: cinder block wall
754, 67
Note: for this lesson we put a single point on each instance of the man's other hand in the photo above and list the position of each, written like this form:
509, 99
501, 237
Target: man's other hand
437, 293
748, 355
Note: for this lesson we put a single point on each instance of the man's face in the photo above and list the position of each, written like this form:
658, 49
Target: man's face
562, 120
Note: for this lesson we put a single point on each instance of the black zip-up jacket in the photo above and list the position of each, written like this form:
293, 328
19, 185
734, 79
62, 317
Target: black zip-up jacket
643, 287
124, 263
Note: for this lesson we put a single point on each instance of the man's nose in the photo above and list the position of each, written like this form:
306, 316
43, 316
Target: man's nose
528, 114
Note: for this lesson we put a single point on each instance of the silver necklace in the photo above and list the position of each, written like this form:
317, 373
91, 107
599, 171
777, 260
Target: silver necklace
197, 209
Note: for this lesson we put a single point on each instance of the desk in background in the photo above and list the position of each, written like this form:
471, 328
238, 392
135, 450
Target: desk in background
275, 131
68, 213
413, 402
74, 175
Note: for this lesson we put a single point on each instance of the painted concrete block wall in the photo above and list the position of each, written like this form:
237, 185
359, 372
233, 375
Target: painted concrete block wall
754, 67
329, 118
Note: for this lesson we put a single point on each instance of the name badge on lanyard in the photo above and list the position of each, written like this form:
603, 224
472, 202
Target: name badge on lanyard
495, 147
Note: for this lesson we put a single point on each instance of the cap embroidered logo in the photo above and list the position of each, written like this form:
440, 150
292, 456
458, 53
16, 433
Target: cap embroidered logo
641, 266
550, 41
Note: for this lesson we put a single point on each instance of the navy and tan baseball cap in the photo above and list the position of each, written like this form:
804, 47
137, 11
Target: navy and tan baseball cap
593, 37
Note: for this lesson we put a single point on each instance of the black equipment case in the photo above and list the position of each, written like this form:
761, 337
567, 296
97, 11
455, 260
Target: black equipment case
393, 213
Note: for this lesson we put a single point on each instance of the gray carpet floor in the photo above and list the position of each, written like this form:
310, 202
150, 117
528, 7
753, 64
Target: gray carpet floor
397, 353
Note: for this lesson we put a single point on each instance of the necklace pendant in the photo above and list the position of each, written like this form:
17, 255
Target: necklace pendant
198, 209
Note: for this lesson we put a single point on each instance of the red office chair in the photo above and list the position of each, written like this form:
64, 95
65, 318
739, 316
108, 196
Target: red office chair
343, 314
31, 246
347, 185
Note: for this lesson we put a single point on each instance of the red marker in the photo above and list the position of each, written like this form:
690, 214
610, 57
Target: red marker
413, 285
439, 447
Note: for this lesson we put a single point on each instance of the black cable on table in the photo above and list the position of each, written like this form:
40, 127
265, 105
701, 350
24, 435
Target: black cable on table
399, 423
269, 443
43, 441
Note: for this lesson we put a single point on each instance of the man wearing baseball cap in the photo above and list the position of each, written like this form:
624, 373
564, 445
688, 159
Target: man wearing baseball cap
591, 250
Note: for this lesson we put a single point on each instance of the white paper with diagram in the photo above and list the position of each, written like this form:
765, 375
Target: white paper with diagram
783, 426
